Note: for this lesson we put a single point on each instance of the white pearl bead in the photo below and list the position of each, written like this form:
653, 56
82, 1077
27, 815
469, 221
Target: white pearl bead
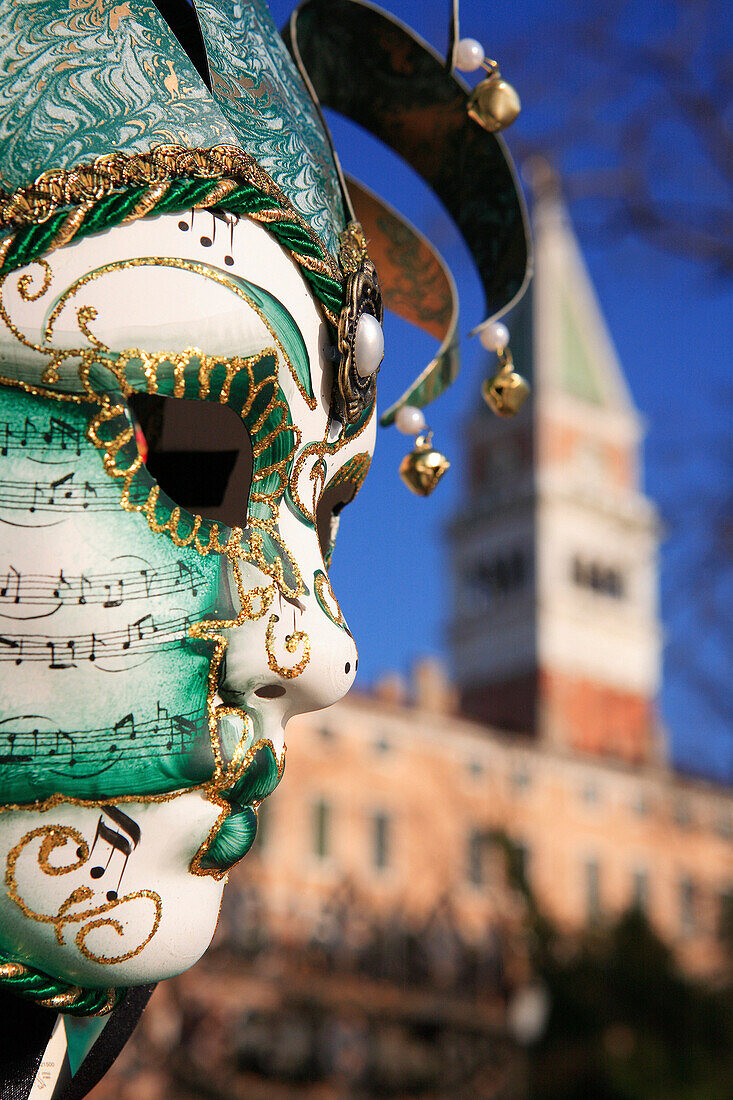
369, 345
409, 420
495, 336
469, 55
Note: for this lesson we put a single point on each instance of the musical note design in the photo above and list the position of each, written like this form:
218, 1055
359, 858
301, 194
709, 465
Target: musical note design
126, 725
29, 744
59, 436
63, 494
61, 433
83, 581
62, 739
12, 581
69, 844
108, 589
117, 600
11, 649
187, 571
145, 622
55, 661
143, 636
117, 842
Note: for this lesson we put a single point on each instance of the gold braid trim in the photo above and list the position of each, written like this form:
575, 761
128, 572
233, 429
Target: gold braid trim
83, 185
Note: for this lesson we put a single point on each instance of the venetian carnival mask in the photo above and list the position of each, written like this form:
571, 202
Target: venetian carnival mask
189, 337
168, 450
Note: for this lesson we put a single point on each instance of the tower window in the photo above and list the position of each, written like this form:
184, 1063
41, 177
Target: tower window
522, 855
590, 794
476, 858
681, 814
725, 917
640, 804
502, 575
321, 829
640, 890
592, 891
688, 906
382, 827
520, 778
604, 579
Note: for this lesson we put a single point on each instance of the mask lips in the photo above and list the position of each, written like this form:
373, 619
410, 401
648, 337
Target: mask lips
234, 835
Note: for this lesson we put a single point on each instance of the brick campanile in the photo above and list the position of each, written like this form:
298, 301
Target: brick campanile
554, 629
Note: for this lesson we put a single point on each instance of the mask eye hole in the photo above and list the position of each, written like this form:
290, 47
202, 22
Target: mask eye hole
199, 452
329, 506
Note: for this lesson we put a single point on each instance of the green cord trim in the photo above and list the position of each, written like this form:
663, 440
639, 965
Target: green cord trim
55, 993
31, 241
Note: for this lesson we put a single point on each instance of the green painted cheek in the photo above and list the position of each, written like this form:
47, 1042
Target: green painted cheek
103, 693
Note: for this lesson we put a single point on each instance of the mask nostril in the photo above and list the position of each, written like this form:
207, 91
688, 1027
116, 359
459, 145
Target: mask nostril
270, 691
347, 667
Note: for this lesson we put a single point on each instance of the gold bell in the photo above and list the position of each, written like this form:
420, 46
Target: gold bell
423, 468
494, 103
507, 391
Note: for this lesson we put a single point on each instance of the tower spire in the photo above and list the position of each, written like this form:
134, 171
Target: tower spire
554, 631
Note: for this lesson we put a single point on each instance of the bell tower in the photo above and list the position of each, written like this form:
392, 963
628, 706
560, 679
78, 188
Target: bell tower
554, 630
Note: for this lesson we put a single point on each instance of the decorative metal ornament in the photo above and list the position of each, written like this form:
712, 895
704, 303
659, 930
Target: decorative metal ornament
506, 391
422, 468
494, 103
363, 63
355, 385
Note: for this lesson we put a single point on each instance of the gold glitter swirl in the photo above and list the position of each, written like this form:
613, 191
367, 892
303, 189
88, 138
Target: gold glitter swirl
56, 836
25, 283
292, 641
327, 599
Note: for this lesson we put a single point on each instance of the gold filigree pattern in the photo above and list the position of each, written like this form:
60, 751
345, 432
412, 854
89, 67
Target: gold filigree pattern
273, 412
352, 248
354, 470
180, 368
327, 599
292, 641
85, 314
151, 365
57, 836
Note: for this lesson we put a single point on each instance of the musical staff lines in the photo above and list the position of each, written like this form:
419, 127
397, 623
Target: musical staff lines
62, 494
143, 636
164, 735
57, 436
108, 589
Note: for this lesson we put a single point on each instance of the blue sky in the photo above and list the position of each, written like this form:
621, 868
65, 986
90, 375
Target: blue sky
671, 320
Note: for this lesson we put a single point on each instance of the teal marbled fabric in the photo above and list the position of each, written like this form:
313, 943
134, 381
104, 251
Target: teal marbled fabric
263, 97
79, 80
82, 78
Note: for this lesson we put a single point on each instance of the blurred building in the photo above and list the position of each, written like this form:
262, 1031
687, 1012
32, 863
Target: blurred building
548, 734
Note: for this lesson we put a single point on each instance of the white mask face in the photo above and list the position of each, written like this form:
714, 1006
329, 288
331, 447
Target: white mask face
157, 635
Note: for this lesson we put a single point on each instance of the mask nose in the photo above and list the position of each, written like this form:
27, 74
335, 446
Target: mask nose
288, 663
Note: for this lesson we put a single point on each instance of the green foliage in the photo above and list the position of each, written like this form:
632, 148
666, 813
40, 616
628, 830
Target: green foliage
626, 1024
